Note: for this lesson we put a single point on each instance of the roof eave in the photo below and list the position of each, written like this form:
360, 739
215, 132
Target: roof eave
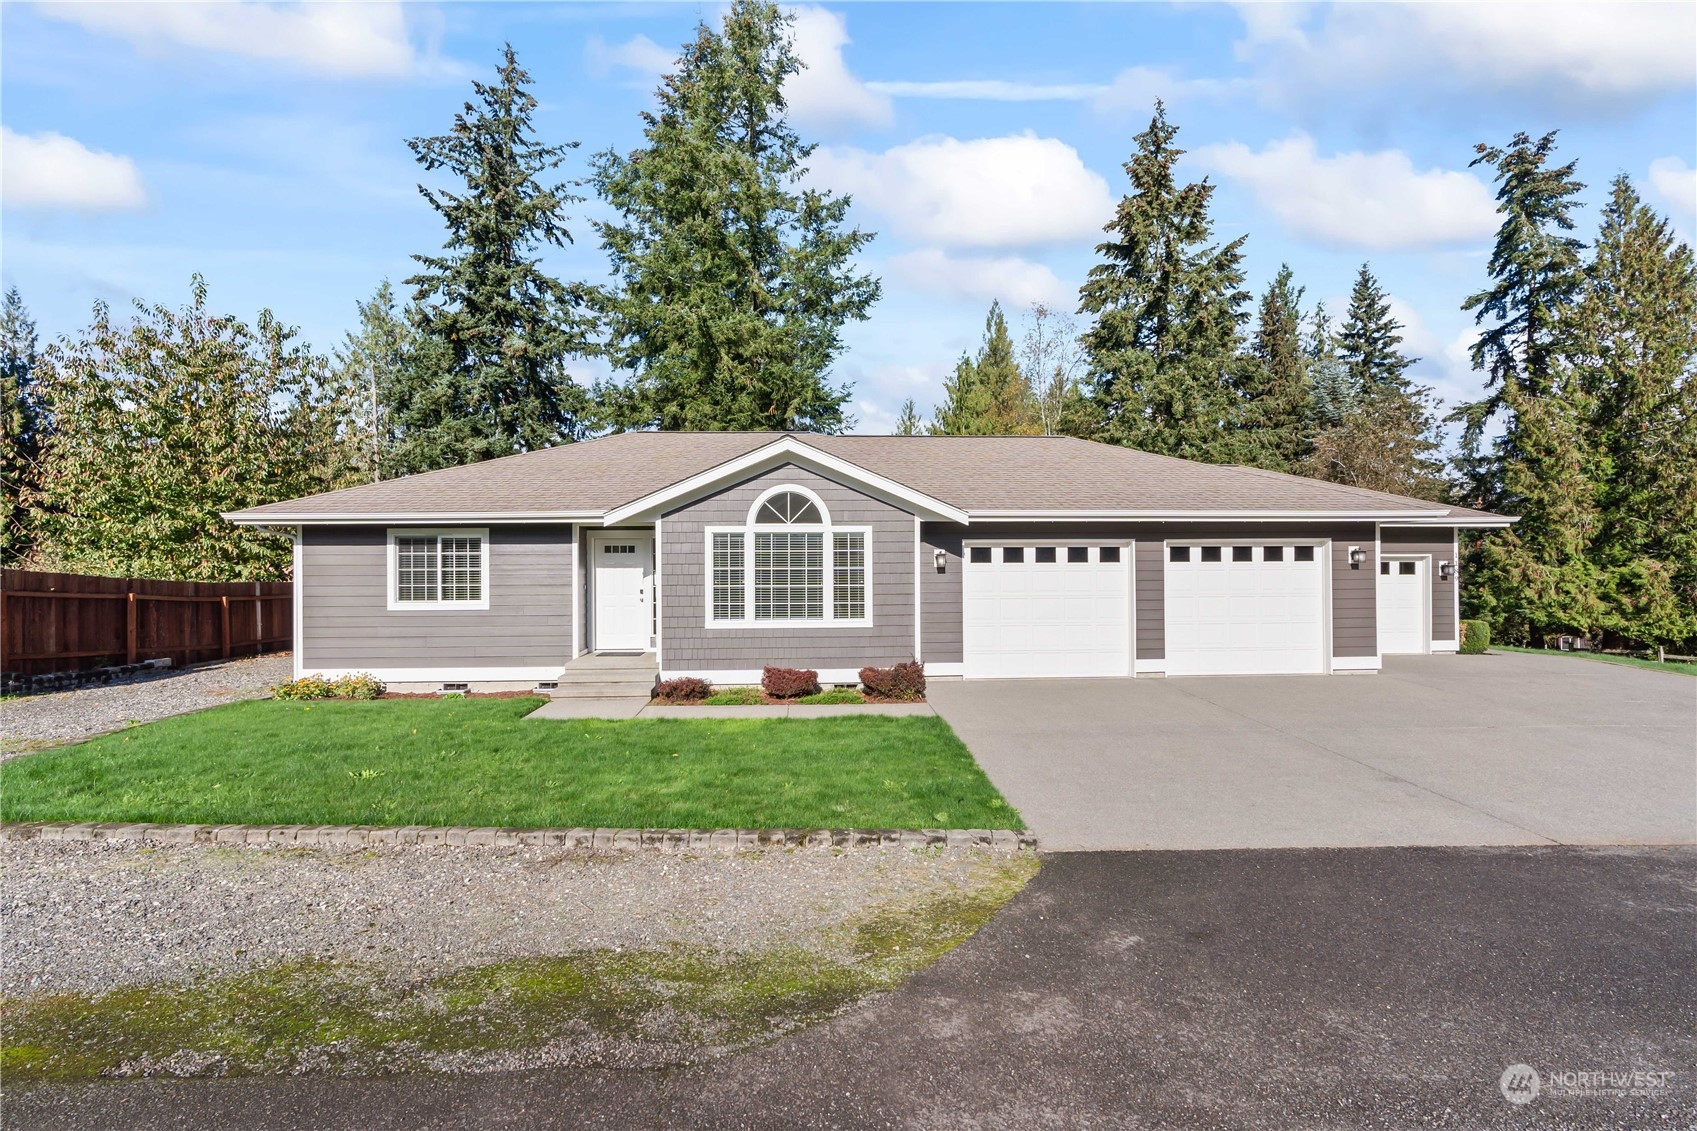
307, 518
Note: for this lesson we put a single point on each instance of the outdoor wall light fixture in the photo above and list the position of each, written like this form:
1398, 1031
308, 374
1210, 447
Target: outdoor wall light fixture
1356, 556
1446, 572
941, 559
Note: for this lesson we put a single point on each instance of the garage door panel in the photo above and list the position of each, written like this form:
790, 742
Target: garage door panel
1236, 616
1054, 618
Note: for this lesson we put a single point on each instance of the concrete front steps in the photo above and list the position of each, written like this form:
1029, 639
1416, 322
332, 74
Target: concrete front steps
599, 675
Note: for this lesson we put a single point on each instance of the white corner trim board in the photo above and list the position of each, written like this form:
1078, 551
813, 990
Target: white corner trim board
1446, 645
1355, 663
446, 675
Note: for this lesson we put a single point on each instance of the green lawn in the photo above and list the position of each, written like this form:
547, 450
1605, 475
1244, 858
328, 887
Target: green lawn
1675, 666
480, 762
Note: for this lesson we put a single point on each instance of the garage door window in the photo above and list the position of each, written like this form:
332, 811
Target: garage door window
981, 554
1045, 554
1013, 553
1272, 553
1210, 553
1078, 553
1243, 553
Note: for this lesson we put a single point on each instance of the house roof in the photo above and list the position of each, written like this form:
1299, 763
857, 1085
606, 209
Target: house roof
960, 477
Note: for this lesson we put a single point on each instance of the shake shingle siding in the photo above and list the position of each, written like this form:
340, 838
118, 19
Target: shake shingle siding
1440, 543
346, 622
688, 644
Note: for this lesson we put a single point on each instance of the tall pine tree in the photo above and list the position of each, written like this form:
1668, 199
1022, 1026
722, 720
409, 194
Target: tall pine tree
1333, 390
734, 281
989, 394
1276, 406
908, 423
1167, 304
1369, 340
505, 326
26, 427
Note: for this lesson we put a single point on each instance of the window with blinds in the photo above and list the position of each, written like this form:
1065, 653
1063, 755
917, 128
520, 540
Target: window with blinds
728, 576
848, 575
789, 575
438, 569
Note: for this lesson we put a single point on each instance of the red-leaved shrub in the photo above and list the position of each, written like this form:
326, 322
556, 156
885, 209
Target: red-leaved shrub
686, 689
904, 681
788, 683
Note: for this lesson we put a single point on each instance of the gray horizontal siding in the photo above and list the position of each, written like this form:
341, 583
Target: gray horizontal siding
687, 644
940, 594
1354, 594
1440, 543
346, 622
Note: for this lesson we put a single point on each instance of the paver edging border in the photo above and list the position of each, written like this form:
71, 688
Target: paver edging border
574, 839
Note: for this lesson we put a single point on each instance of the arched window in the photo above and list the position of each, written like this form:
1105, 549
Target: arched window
800, 567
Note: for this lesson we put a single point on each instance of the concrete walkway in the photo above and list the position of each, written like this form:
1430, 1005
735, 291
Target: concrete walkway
643, 708
1436, 750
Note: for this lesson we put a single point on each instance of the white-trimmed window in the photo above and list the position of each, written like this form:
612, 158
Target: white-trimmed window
788, 566
438, 569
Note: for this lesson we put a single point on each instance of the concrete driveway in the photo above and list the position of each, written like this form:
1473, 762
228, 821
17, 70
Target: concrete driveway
1435, 750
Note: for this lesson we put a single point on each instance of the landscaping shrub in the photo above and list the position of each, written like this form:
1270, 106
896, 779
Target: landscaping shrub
686, 689
360, 685
905, 682
306, 687
789, 683
1475, 637
834, 696
734, 697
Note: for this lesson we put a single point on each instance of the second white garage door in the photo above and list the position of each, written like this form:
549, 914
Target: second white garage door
1046, 609
1245, 610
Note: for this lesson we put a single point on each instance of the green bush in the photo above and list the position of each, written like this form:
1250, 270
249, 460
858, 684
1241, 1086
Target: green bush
1475, 637
834, 696
360, 685
734, 697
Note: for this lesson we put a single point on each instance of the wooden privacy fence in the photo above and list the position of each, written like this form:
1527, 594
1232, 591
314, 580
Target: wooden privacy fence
55, 622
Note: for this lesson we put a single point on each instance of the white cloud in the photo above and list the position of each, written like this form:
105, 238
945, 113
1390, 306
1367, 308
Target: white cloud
1676, 184
1016, 282
992, 90
1595, 52
825, 94
640, 54
1019, 191
351, 40
50, 170
1136, 89
1374, 201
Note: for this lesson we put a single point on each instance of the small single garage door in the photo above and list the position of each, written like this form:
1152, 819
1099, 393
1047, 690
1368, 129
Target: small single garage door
1046, 609
1245, 609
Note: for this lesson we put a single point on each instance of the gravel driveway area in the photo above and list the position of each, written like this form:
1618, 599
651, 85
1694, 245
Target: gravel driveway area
90, 916
35, 722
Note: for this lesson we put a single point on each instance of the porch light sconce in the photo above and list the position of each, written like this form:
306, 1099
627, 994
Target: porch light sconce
1446, 571
1356, 556
941, 559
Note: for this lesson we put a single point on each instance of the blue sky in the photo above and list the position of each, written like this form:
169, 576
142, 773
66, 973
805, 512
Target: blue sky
262, 145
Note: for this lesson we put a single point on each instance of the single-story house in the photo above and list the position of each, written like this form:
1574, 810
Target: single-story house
715, 553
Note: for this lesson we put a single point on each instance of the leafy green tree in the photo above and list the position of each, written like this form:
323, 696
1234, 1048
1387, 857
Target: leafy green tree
165, 422
1051, 356
733, 280
989, 394
908, 423
27, 425
1273, 384
1167, 304
1534, 275
505, 326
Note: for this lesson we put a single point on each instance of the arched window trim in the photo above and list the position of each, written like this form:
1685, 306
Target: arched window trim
773, 492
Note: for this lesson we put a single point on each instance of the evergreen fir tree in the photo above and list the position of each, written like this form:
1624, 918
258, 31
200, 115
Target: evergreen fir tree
988, 395
1276, 404
908, 423
1368, 340
26, 421
1168, 305
1633, 341
734, 281
504, 326
1333, 390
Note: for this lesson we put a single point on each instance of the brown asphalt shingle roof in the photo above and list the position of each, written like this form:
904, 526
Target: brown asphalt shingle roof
974, 473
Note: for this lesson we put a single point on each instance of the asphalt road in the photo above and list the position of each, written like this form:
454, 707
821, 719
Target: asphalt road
1331, 988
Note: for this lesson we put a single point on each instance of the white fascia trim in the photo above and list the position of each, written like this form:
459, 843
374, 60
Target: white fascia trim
1417, 518
750, 677
517, 518
785, 448
1355, 663
1150, 667
1446, 646
448, 675
1462, 523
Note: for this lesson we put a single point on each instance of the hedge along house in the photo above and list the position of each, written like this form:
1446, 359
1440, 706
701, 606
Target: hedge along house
715, 553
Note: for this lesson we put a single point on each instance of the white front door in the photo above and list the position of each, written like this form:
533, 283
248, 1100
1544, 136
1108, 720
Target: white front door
1404, 592
1245, 609
623, 587
1046, 609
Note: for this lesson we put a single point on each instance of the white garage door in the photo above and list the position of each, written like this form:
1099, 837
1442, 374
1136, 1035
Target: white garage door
1403, 619
1046, 609
1245, 610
